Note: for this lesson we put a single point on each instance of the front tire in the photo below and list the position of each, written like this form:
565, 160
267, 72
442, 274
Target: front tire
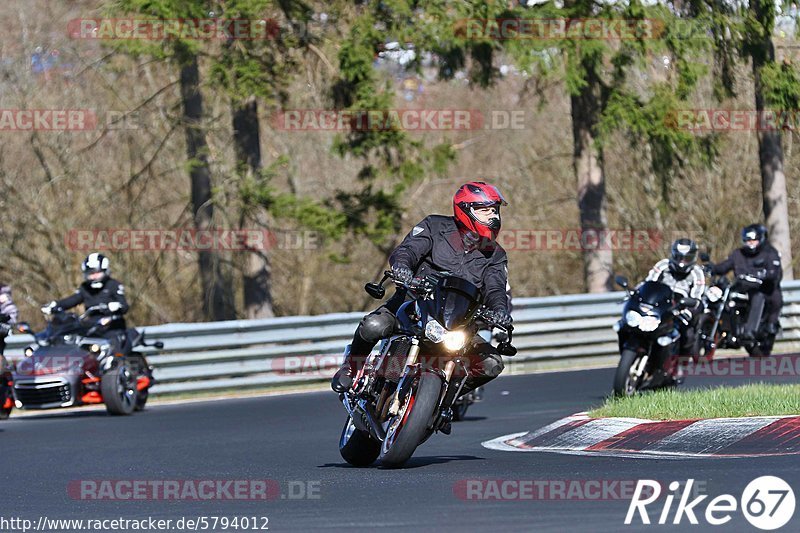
118, 388
409, 428
701, 349
356, 446
626, 384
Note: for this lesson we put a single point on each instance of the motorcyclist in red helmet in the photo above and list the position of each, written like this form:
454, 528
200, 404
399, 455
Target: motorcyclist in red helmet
465, 245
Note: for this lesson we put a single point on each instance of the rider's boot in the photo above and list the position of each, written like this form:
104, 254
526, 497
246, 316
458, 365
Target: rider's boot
343, 378
771, 328
355, 354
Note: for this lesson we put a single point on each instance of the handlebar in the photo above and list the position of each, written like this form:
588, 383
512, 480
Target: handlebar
426, 285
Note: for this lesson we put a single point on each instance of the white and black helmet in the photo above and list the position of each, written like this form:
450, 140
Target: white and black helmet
683, 256
93, 264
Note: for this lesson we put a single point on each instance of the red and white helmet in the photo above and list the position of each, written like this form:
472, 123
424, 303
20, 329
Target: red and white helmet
473, 195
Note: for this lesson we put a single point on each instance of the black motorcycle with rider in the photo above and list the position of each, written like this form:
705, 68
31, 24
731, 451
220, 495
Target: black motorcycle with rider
743, 312
658, 322
451, 275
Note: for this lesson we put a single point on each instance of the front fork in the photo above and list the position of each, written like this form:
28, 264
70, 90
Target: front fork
411, 372
722, 304
449, 393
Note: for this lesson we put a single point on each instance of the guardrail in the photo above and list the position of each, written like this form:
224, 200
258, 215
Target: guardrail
247, 353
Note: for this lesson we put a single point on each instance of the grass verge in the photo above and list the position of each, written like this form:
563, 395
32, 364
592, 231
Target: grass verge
757, 399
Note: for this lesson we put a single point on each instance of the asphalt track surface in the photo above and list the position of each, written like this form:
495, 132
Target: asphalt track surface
294, 438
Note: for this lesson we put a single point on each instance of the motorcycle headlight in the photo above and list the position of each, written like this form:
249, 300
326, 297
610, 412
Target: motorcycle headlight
454, 340
633, 318
649, 323
665, 340
435, 331
714, 294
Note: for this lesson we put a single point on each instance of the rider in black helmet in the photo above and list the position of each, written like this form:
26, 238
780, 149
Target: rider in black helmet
758, 262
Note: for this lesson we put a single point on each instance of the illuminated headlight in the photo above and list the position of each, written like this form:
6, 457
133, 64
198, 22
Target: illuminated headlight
649, 323
28, 351
633, 318
714, 294
454, 340
666, 340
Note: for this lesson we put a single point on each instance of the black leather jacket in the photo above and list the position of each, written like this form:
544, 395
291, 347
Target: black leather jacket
435, 244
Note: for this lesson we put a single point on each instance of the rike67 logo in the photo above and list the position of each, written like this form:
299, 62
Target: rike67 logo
767, 503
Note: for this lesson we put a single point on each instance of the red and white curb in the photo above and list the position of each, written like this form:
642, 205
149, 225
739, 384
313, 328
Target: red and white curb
672, 439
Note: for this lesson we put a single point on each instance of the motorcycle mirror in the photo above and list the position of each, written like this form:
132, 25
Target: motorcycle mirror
505, 348
24, 327
375, 290
158, 344
704, 257
622, 281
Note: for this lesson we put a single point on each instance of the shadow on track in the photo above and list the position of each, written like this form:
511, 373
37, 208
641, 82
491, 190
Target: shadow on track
414, 462
77, 414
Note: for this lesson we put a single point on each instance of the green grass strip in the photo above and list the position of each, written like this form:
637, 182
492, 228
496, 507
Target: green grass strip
758, 399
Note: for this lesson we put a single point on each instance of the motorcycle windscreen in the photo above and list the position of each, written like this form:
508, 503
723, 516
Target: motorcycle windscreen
454, 302
655, 294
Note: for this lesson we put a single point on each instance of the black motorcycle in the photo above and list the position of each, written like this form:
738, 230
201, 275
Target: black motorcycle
723, 322
74, 362
406, 391
648, 337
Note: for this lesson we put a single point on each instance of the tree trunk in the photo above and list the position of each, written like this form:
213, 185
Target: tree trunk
217, 303
588, 164
770, 155
256, 271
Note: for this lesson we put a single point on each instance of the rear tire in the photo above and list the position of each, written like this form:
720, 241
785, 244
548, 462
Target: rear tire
118, 388
622, 377
6, 392
356, 446
460, 410
141, 399
409, 428
5, 412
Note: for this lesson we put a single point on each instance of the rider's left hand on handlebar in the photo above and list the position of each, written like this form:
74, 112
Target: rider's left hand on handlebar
48, 308
402, 274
